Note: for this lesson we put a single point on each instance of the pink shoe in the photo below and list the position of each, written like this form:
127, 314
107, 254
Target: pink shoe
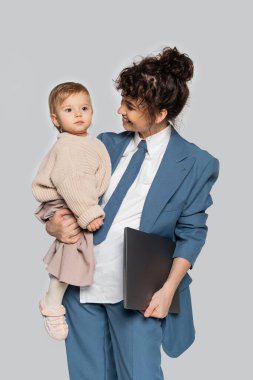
54, 319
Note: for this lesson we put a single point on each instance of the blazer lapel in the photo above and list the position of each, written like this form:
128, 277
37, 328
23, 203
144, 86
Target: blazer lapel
117, 149
174, 167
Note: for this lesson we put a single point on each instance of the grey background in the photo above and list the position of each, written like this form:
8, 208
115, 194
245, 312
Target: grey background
45, 43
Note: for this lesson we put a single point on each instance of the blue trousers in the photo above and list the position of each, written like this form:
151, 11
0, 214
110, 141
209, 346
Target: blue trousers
107, 342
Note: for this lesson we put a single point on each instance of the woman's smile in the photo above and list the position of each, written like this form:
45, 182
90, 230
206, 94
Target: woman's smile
126, 120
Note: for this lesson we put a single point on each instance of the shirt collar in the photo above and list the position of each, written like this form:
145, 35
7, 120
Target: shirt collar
154, 142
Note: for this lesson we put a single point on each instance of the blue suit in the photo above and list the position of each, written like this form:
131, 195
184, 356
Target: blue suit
174, 208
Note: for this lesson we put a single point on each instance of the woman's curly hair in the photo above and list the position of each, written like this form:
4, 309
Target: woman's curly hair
158, 82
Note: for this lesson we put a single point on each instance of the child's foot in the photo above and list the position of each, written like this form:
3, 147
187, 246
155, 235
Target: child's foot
54, 319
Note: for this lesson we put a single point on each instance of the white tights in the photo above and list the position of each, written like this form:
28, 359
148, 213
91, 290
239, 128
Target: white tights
55, 292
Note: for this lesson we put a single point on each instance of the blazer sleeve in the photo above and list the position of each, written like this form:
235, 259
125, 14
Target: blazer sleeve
191, 228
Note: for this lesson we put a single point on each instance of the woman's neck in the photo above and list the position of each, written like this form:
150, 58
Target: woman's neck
152, 130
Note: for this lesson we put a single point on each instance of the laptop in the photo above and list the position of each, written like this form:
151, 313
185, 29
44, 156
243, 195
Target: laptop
147, 263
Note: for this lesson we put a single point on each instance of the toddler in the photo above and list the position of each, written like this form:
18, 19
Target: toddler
74, 174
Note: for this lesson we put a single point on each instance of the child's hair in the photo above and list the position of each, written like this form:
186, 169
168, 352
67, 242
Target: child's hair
158, 82
63, 91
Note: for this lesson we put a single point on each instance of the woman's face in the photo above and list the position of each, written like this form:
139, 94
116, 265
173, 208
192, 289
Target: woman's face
136, 119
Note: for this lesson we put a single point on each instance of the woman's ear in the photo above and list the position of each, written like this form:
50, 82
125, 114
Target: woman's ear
55, 120
160, 117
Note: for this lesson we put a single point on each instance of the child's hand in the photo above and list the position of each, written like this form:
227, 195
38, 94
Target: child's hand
95, 224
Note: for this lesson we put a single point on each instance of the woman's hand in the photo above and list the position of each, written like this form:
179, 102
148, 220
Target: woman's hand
161, 300
159, 304
63, 226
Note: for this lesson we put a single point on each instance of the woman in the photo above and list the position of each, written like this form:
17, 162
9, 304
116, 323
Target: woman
168, 196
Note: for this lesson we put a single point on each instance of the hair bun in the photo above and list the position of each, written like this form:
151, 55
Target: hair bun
177, 64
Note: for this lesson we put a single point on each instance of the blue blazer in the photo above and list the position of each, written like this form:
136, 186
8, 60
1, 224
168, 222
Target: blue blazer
175, 208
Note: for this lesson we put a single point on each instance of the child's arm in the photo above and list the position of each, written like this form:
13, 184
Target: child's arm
95, 224
42, 187
80, 194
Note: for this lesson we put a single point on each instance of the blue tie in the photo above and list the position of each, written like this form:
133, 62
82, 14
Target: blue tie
112, 206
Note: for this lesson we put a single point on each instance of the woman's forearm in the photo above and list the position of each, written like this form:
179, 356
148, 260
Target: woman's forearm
178, 270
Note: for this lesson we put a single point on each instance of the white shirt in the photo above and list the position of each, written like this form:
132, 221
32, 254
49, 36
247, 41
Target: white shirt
107, 286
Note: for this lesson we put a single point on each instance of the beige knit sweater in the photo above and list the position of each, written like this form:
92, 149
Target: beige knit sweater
77, 169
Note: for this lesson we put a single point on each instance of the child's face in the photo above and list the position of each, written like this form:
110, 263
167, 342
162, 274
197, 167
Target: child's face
74, 115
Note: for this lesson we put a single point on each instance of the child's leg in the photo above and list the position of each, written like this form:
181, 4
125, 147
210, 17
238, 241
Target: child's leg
53, 311
55, 292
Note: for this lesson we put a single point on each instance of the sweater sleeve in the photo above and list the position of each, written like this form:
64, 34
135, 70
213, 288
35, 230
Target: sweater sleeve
81, 195
42, 187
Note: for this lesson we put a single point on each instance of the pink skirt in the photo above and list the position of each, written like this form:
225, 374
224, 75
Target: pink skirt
73, 264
